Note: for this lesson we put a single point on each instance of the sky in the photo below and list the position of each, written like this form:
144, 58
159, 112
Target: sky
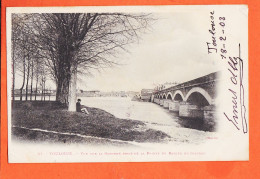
173, 50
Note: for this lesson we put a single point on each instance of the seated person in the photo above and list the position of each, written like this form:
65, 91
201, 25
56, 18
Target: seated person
79, 109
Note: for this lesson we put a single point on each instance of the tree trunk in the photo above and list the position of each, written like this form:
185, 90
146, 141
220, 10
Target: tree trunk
62, 91
36, 88
72, 91
28, 76
44, 91
13, 84
31, 82
21, 89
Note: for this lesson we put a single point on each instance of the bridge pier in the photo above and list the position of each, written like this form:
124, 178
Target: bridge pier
166, 103
210, 115
174, 106
156, 100
161, 102
152, 98
188, 110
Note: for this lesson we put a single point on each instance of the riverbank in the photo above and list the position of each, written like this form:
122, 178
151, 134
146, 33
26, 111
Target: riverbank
51, 122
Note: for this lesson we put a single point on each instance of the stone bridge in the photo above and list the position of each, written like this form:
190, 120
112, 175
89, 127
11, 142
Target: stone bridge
192, 99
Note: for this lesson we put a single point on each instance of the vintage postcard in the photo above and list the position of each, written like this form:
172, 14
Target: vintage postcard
127, 83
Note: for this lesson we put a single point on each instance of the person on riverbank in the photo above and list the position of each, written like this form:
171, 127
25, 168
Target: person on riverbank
80, 109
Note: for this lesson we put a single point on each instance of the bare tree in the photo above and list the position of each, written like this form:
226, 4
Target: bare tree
17, 28
32, 69
77, 42
25, 64
22, 52
38, 68
43, 82
15, 31
27, 77
21, 89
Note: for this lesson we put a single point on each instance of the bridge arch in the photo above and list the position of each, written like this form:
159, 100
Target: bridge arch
198, 94
169, 96
164, 96
178, 96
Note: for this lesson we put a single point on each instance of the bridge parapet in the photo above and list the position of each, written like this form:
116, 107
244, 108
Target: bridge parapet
212, 77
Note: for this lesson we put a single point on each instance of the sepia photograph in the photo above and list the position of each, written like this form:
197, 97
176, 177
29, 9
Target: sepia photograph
127, 84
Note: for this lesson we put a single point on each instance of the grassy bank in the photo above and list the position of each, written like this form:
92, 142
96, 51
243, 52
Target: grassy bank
52, 116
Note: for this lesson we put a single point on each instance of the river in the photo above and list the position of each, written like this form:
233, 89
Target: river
153, 115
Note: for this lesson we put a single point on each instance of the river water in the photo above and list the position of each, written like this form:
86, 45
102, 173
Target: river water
123, 107
155, 117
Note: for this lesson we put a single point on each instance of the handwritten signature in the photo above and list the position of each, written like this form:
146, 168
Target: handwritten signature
236, 64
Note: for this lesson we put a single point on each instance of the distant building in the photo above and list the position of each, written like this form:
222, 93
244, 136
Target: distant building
165, 85
97, 93
17, 91
146, 94
93, 93
114, 94
123, 94
132, 93
39, 92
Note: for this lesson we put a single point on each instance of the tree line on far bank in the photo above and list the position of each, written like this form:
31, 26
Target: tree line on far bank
60, 46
